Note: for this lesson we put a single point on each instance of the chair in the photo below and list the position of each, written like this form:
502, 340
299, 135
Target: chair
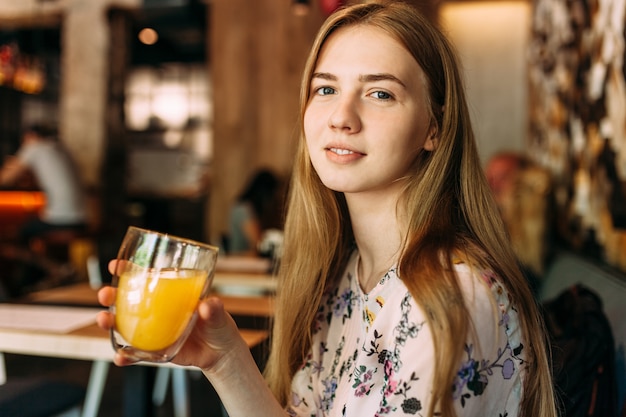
94, 274
180, 389
38, 397
68, 247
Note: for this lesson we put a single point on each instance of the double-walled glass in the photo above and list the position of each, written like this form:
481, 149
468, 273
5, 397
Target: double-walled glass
160, 280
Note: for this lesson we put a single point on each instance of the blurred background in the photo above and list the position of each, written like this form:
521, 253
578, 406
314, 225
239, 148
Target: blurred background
168, 109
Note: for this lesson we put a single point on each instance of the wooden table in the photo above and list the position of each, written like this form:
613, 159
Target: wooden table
83, 295
87, 343
92, 343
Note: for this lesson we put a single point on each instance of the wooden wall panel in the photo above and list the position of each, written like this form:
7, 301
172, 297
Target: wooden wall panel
257, 53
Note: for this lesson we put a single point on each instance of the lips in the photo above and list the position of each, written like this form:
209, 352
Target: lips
342, 155
340, 151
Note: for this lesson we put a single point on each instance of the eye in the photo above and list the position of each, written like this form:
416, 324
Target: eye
324, 91
381, 95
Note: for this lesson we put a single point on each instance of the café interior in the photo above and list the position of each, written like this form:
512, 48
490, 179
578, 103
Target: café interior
168, 108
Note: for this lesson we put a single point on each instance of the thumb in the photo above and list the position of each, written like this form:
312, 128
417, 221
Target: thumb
212, 312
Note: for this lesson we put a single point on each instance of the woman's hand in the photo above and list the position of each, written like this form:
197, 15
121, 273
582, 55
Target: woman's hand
214, 337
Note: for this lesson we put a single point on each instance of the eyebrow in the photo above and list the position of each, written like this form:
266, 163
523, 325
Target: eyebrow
362, 78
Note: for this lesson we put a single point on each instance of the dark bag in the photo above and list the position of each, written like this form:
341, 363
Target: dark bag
583, 353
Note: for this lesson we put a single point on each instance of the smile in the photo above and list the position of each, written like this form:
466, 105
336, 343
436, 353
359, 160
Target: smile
341, 151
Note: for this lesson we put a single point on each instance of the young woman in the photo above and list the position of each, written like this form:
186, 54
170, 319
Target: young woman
399, 293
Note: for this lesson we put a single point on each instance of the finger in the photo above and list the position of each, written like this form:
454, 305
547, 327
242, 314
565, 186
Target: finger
112, 265
106, 296
212, 311
105, 320
117, 266
121, 360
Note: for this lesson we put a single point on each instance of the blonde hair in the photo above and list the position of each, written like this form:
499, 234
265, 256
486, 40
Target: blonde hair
451, 212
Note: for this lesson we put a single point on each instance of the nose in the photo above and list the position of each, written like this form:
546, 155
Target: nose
345, 115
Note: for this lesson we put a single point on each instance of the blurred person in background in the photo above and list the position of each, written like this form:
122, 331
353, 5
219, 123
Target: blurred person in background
257, 210
43, 156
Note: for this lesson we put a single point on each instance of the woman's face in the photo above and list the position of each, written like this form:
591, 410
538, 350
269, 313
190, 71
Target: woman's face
367, 117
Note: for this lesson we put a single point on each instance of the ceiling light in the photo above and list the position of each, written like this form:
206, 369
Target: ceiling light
300, 7
148, 36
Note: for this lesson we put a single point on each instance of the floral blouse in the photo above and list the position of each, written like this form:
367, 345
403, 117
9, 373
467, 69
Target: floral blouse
372, 354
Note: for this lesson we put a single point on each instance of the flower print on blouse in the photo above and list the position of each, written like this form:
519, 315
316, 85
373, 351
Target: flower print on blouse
372, 354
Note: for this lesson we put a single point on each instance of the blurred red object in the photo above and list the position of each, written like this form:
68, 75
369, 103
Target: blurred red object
17, 207
329, 6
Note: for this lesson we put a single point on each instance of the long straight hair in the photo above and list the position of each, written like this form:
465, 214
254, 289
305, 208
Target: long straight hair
451, 212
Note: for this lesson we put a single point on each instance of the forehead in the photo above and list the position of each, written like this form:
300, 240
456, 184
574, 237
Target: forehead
365, 47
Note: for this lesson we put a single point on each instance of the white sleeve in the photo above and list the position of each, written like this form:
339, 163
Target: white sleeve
489, 380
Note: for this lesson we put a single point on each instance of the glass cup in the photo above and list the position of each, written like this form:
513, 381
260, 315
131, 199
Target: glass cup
160, 280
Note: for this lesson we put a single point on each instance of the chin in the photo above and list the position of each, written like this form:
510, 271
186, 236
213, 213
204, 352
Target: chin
337, 186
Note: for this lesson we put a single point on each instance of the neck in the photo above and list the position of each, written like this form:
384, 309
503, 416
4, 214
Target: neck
378, 233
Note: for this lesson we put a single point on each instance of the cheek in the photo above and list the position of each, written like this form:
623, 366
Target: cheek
405, 151
308, 131
311, 123
411, 142
310, 139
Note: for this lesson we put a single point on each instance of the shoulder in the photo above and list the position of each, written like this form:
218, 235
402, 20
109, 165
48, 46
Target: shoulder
492, 310
241, 210
31, 151
27, 150
492, 369
483, 288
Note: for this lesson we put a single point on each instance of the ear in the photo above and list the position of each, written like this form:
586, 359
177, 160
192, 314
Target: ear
432, 139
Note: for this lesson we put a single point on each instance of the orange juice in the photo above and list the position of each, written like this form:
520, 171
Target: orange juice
153, 309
